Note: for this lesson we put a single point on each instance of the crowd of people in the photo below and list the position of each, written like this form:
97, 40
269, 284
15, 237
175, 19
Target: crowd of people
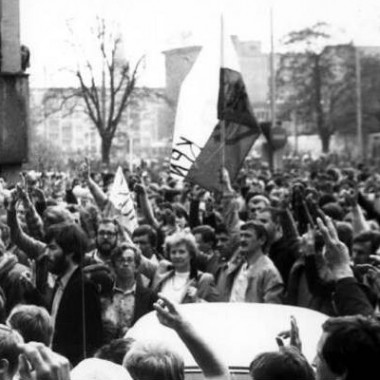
74, 279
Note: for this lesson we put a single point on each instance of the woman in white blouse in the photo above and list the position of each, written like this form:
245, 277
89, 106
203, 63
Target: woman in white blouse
179, 279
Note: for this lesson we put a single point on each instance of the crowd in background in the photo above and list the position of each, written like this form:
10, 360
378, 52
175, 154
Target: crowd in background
75, 279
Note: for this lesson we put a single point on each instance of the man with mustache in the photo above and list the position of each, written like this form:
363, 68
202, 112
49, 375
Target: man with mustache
251, 276
106, 241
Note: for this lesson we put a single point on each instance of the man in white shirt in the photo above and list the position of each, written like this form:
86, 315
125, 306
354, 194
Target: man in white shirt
251, 276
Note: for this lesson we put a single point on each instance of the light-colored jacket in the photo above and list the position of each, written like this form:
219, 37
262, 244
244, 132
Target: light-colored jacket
265, 284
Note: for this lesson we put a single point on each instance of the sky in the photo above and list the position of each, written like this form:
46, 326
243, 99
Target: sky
149, 27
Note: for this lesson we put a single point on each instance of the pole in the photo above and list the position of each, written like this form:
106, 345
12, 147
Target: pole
294, 119
273, 80
359, 127
222, 122
131, 153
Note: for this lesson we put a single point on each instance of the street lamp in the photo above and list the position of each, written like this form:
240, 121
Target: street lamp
359, 126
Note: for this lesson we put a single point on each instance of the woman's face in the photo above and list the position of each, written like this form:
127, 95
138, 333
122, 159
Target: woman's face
180, 257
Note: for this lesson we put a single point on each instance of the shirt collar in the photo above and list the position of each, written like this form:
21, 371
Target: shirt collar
66, 277
125, 292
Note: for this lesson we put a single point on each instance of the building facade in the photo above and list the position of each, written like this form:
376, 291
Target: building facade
68, 130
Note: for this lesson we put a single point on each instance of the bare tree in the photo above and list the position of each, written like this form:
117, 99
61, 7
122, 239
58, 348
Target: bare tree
105, 103
104, 90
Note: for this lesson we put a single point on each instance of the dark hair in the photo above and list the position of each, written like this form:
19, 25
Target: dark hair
221, 228
70, 237
146, 229
327, 198
207, 233
259, 228
120, 249
32, 322
372, 237
352, 347
286, 364
115, 350
333, 210
180, 211
345, 233
109, 221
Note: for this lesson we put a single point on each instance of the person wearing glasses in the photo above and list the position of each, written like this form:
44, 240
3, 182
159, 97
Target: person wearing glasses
106, 241
130, 300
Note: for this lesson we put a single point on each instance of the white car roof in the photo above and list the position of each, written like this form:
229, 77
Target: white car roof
237, 331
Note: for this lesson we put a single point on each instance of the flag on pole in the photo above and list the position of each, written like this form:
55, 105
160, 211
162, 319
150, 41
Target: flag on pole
214, 124
120, 203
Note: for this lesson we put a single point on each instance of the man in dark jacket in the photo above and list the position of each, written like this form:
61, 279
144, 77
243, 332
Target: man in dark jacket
75, 306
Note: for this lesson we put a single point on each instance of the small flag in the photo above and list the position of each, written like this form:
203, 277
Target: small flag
120, 203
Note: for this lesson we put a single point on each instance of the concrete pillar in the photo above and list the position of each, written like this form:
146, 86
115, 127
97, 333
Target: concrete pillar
14, 94
10, 36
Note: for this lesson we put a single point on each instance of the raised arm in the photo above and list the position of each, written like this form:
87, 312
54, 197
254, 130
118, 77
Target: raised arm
32, 247
210, 364
230, 207
146, 207
99, 196
32, 218
359, 222
349, 297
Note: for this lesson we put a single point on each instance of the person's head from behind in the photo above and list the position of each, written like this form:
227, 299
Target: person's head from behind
145, 237
205, 238
147, 361
349, 349
56, 215
32, 322
285, 364
66, 244
115, 350
9, 352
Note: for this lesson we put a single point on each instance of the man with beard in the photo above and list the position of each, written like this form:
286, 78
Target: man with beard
75, 306
106, 241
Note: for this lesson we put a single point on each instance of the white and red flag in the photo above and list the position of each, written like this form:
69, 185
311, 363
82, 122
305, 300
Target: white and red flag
214, 124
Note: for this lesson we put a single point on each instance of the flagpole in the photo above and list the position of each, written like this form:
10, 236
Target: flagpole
222, 121
273, 83
359, 128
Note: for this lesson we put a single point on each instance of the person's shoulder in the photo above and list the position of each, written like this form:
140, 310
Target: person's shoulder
267, 265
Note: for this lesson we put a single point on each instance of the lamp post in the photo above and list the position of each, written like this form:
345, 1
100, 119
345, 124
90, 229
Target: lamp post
359, 126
